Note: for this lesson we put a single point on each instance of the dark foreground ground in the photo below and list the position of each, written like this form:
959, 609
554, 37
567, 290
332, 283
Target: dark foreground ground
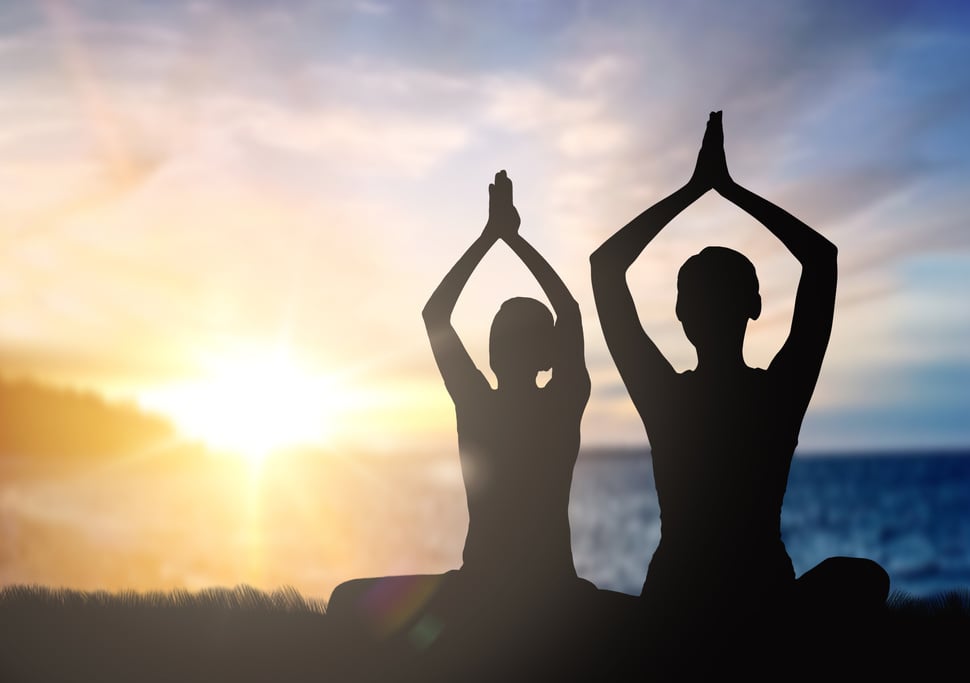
242, 634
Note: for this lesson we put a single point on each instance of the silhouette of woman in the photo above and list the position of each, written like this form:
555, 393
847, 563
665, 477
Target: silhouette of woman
723, 435
518, 443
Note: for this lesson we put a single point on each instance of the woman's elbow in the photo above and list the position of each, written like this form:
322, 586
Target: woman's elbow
431, 313
598, 260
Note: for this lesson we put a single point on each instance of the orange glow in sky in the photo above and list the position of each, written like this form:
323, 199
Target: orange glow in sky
252, 403
232, 214
187, 175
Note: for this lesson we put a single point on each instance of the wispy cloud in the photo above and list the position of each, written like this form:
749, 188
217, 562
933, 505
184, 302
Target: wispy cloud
184, 174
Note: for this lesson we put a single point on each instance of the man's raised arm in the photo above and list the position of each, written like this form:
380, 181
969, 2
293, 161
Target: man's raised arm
801, 355
637, 358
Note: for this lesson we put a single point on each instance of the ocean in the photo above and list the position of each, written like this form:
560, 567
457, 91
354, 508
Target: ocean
312, 521
910, 512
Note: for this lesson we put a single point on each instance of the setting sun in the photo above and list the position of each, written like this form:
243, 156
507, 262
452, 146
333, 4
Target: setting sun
251, 404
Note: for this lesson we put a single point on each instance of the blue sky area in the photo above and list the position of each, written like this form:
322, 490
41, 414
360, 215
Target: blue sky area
184, 180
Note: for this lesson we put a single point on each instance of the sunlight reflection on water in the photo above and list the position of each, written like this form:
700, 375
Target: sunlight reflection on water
312, 521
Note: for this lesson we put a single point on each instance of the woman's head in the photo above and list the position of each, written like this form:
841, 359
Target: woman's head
717, 290
521, 338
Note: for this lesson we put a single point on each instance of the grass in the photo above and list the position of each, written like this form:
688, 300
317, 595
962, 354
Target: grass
243, 634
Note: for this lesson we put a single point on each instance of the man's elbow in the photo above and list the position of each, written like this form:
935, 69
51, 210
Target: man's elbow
823, 254
830, 258
830, 251
824, 262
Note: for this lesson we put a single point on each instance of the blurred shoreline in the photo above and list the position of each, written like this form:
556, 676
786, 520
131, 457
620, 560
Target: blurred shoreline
187, 518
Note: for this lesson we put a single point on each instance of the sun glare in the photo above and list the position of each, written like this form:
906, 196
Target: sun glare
251, 404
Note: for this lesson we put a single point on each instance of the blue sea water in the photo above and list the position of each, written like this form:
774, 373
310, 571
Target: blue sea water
909, 512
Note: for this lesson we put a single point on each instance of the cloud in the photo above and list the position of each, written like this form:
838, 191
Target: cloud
201, 172
363, 140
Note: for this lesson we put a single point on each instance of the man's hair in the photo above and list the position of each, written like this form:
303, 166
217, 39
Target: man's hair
720, 277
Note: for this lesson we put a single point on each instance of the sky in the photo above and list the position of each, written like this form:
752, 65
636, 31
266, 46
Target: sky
218, 208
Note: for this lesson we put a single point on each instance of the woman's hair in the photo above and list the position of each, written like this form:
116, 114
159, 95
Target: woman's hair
522, 335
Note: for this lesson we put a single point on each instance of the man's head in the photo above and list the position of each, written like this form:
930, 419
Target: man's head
521, 338
717, 292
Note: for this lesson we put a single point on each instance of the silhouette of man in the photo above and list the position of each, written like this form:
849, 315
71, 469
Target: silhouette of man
723, 435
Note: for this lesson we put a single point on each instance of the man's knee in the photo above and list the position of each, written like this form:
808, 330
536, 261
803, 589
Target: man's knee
847, 580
